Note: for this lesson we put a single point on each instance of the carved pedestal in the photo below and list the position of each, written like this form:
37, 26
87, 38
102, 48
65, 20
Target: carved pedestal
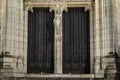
6, 61
110, 70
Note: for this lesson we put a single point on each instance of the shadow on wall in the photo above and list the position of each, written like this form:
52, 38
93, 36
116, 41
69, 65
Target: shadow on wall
117, 59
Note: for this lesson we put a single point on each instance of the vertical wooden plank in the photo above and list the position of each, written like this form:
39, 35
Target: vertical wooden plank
78, 55
40, 51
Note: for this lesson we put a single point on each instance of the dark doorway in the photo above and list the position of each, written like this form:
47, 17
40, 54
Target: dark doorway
76, 41
40, 41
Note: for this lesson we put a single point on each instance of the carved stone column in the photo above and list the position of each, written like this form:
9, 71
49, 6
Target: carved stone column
118, 23
99, 72
110, 71
58, 8
58, 40
12, 35
5, 57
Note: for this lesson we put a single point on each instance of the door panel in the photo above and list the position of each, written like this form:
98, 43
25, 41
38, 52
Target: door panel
76, 41
40, 41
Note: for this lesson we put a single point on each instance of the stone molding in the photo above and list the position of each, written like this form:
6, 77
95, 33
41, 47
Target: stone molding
58, 7
30, 5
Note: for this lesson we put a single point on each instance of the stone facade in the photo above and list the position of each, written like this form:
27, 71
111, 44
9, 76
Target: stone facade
104, 37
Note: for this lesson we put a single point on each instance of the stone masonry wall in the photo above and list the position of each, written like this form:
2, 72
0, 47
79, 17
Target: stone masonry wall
12, 35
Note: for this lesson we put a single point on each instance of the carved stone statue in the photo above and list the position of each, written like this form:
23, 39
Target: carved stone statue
58, 20
58, 23
58, 38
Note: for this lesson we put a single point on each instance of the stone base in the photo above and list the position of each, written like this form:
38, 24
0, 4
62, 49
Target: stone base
42, 79
6, 60
110, 71
20, 76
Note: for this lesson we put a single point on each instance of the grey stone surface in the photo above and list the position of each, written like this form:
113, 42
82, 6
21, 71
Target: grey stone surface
104, 36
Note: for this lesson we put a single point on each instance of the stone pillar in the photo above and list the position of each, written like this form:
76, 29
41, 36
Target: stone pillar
12, 35
5, 57
58, 39
25, 39
98, 72
118, 20
106, 30
21, 36
108, 27
118, 30
58, 8
3, 24
92, 41
109, 39
0, 23
110, 71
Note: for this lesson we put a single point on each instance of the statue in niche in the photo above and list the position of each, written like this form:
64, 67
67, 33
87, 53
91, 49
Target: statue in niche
58, 22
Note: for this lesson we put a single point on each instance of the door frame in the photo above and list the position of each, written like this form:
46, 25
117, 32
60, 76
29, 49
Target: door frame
88, 5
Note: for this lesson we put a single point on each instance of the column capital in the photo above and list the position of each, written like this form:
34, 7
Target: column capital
59, 6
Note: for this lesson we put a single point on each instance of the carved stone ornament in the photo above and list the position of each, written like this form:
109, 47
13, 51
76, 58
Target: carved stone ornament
58, 8
58, 17
29, 4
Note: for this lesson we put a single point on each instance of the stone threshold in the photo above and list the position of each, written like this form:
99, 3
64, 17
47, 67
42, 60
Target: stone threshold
54, 75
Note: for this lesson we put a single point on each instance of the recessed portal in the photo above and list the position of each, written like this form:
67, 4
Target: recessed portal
76, 41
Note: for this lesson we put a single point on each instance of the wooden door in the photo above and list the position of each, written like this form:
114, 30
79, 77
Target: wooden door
40, 41
76, 41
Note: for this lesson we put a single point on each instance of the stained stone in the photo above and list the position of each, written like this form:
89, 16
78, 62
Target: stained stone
104, 38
